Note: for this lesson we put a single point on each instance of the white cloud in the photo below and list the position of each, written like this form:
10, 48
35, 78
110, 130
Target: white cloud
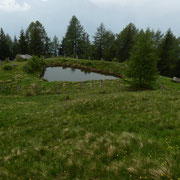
13, 5
168, 4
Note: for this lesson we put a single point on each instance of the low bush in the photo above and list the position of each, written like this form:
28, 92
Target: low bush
7, 67
20, 59
34, 64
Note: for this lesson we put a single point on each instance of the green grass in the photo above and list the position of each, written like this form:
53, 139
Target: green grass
97, 132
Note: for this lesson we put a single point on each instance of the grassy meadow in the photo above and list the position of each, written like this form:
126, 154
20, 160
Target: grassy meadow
91, 132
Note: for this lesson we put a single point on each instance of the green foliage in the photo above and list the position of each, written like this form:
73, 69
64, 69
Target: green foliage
37, 39
125, 42
23, 43
142, 65
169, 54
34, 64
103, 45
6, 60
7, 67
5, 43
115, 60
76, 42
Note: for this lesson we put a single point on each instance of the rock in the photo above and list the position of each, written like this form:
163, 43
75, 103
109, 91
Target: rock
25, 56
175, 79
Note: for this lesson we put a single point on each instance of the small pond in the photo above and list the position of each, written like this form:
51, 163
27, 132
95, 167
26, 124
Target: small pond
68, 74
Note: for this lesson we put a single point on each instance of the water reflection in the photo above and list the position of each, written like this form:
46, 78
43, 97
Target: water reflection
71, 74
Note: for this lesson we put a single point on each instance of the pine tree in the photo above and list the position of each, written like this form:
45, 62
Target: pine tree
37, 39
168, 54
22, 44
85, 47
4, 46
126, 41
73, 38
55, 45
98, 44
15, 47
109, 50
62, 48
177, 68
10, 46
142, 65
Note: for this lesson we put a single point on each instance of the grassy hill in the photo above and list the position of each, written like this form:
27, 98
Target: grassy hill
93, 132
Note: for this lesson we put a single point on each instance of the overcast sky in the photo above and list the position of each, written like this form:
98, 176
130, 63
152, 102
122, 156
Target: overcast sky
115, 14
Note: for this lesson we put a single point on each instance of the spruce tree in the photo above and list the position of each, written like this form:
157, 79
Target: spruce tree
142, 65
125, 42
55, 46
168, 54
37, 39
62, 48
73, 38
98, 44
15, 47
4, 46
22, 44
109, 50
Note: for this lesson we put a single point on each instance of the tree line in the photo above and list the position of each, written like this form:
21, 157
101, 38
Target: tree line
105, 45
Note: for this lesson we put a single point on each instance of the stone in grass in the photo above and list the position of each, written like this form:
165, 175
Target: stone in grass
175, 79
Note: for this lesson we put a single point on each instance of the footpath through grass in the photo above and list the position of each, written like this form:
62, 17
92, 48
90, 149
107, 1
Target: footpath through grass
96, 132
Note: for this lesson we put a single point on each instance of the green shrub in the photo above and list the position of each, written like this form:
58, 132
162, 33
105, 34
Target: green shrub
34, 64
6, 60
7, 67
20, 59
115, 60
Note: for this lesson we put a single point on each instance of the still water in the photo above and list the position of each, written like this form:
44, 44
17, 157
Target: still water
68, 74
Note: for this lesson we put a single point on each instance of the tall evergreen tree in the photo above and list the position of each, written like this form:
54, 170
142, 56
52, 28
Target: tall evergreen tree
109, 50
126, 41
85, 47
22, 44
142, 65
98, 44
37, 39
48, 47
168, 54
62, 48
15, 47
10, 46
177, 68
4, 46
55, 46
73, 38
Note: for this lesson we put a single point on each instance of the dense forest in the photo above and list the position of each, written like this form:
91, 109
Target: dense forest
105, 45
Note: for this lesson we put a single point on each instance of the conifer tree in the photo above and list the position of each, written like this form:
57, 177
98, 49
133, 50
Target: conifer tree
98, 44
55, 46
4, 46
73, 40
15, 47
109, 50
22, 44
168, 54
142, 65
37, 39
62, 48
126, 41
